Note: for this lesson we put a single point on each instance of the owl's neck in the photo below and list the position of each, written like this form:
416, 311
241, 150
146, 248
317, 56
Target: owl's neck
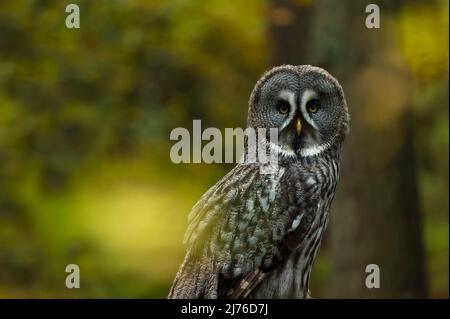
264, 152
330, 153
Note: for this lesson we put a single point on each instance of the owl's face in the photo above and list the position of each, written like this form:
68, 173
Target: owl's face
307, 106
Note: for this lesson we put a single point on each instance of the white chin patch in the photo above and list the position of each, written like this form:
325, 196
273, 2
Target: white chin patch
313, 150
304, 152
283, 151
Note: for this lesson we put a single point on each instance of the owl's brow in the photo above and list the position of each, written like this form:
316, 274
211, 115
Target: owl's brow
289, 97
307, 96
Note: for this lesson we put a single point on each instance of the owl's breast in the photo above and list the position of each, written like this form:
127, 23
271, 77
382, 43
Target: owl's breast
310, 189
313, 178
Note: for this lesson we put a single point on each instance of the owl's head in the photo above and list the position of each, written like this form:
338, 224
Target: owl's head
307, 106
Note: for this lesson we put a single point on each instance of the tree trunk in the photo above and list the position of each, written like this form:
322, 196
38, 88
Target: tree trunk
375, 218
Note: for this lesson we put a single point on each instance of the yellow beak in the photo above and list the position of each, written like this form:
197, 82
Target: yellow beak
298, 126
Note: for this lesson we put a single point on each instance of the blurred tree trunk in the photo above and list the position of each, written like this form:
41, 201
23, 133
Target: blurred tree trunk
375, 217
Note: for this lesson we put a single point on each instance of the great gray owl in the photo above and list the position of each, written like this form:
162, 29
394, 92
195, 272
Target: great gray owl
256, 235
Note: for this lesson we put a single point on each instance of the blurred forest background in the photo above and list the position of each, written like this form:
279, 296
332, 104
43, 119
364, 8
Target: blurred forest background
85, 117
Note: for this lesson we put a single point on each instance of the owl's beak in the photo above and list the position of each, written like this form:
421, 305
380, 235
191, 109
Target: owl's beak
298, 126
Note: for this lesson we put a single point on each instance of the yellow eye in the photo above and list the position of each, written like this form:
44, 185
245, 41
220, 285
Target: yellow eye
283, 108
312, 108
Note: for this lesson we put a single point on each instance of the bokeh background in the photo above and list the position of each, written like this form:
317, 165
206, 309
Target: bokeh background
85, 118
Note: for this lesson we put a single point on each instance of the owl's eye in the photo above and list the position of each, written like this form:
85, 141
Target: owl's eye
283, 108
312, 106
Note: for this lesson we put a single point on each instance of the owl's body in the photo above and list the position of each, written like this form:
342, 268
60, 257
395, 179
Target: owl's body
256, 234
314, 190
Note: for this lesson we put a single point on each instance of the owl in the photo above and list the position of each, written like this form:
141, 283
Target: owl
256, 234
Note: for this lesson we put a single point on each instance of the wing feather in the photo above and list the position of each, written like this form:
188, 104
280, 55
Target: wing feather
235, 235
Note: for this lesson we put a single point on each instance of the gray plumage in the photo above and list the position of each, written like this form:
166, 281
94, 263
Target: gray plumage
255, 235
